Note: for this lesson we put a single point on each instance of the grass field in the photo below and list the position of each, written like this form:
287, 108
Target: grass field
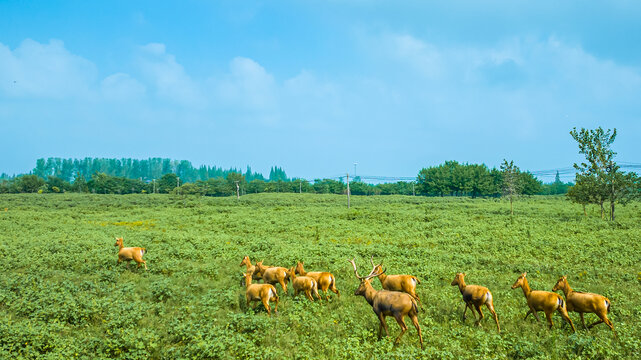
62, 294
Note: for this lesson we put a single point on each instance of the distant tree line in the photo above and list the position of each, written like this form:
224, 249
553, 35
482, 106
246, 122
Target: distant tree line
156, 175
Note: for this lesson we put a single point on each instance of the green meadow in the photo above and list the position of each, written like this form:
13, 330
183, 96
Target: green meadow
63, 295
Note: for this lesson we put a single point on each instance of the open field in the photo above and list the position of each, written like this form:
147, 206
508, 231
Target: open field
63, 295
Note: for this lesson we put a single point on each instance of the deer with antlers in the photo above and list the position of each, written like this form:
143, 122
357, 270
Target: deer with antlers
388, 303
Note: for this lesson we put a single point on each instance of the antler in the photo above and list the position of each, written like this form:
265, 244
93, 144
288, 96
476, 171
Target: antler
371, 274
355, 271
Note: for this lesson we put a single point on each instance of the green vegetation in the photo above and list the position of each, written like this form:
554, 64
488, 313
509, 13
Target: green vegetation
62, 294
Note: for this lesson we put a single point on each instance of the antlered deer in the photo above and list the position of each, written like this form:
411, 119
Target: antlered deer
306, 284
388, 303
478, 296
260, 292
324, 279
545, 301
582, 302
404, 283
130, 253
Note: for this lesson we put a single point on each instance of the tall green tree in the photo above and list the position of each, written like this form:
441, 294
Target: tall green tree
511, 181
605, 179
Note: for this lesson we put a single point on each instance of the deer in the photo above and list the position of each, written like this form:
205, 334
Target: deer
260, 292
273, 274
130, 253
250, 268
538, 300
306, 284
583, 302
404, 283
325, 280
388, 303
476, 296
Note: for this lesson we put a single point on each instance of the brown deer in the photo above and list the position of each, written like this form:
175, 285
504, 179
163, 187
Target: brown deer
545, 301
260, 292
250, 268
388, 303
404, 283
130, 253
306, 284
582, 302
273, 274
325, 280
476, 296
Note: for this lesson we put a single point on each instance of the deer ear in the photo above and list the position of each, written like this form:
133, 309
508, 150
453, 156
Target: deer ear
525, 274
464, 274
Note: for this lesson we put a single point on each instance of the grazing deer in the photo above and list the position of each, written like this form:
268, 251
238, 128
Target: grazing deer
388, 303
260, 292
582, 302
273, 275
545, 301
130, 253
306, 284
404, 283
478, 296
325, 280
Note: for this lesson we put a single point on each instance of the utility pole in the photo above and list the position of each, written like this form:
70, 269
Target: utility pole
300, 186
178, 184
154, 185
237, 190
355, 163
348, 191
413, 191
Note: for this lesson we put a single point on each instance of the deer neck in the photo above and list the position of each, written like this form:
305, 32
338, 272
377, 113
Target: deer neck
302, 271
461, 286
120, 246
382, 278
526, 288
566, 289
248, 281
370, 293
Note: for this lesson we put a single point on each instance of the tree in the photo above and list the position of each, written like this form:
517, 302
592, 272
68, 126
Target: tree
511, 181
600, 174
29, 183
167, 183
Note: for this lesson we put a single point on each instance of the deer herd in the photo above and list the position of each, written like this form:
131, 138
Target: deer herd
398, 297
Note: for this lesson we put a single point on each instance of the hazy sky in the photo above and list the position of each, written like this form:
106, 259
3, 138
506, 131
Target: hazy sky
314, 86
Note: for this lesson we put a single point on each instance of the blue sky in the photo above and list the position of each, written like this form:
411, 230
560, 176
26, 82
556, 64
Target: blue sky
314, 86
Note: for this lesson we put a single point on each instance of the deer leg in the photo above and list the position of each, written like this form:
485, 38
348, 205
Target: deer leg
283, 284
308, 293
478, 309
381, 318
266, 304
490, 307
334, 289
549, 317
595, 324
583, 321
401, 323
564, 314
418, 328
276, 305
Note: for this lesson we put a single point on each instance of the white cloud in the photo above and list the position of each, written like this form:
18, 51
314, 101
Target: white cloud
168, 77
44, 71
122, 87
